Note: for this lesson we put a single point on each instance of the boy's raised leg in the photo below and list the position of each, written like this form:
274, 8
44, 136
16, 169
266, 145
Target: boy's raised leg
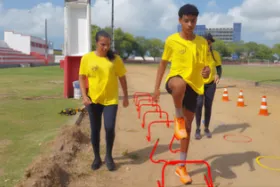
178, 88
181, 170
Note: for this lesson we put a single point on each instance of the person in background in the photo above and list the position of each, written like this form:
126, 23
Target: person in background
103, 68
210, 83
187, 53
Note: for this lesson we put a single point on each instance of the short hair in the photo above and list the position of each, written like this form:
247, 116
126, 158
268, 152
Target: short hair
188, 9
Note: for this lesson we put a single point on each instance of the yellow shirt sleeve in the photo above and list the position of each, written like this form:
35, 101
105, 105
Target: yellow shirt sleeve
119, 67
83, 66
167, 51
217, 58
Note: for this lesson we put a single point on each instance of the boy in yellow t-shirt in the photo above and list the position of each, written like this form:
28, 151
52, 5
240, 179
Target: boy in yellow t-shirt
103, 69
187, 53
215, 64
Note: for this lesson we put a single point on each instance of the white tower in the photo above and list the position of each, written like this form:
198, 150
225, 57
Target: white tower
77, 40
77, 27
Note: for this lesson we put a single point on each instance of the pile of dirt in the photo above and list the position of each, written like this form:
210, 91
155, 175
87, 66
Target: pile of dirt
51, 169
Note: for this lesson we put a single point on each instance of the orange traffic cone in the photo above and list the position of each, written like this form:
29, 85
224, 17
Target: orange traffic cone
240, 101
263, 108
225, 95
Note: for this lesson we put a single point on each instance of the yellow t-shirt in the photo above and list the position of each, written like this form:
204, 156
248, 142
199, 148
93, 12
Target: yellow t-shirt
102, 77
187, 59
213, 64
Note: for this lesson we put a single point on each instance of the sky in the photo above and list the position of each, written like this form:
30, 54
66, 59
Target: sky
150, 18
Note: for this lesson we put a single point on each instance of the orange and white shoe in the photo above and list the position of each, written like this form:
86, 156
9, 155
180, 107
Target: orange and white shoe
181, 172
180, 128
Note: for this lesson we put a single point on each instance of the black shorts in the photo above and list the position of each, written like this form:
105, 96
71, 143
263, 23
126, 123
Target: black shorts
190, 98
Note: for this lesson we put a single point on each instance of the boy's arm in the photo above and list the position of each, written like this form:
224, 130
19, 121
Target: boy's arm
160, 72
166, 57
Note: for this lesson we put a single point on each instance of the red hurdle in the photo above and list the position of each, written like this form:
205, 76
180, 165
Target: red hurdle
208, 178
171, 143
141, 94
152, 111
158, 108
140, 100
148, 137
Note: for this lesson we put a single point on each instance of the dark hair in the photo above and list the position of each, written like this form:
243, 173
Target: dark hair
110, 54
211, 50
188, 9
208, 36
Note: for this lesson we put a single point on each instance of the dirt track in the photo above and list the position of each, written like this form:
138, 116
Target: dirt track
70, 163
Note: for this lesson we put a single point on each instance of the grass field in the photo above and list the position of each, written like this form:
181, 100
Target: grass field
262, 74
30, 101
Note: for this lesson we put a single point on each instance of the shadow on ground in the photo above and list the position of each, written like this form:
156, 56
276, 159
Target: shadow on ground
221, 164
257, 83
229, 86
225, 128
141, 156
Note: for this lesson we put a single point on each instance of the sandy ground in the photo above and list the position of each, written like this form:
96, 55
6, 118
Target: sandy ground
232, 164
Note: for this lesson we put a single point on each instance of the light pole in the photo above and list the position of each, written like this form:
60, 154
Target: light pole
112, 25
46, 35
46, 39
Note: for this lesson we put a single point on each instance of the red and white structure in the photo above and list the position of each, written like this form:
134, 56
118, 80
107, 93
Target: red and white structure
24, 43
22, 49
77, 40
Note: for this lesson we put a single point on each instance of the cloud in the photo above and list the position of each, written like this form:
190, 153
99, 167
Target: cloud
272, 35
32, 21
256, 16
138, 16
150, 18
212, 3
260, 9
215, 20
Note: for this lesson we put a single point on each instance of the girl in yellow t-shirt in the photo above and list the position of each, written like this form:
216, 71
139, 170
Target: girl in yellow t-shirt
103, 69
210, 83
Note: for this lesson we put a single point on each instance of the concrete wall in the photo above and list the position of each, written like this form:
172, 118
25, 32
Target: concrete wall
57, 58
18, 42
38, 45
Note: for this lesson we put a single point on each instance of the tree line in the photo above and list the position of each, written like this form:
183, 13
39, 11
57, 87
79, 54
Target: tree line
127, 44
247, 51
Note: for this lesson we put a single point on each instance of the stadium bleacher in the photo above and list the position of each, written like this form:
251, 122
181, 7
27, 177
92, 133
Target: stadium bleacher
11, 56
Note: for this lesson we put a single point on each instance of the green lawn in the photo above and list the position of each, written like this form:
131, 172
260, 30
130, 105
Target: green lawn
25, 124
262, 74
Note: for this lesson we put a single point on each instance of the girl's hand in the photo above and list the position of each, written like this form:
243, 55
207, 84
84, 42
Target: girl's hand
86, 101
125, 101
217, 79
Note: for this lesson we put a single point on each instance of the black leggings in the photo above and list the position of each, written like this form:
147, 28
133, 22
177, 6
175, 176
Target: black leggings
95, 116
207, 99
